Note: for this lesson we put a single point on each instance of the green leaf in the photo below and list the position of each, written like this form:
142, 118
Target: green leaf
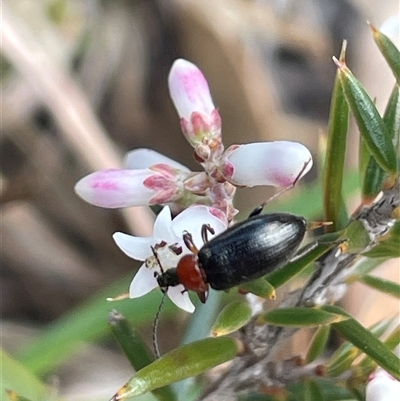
13, 396
300, 317
367, 365
87, 322
344, 356
134, 347
181, 363
368, 120
364, 340
391, 117
261, 287
18, 379
393, 339
232, 317
374, 176
279, 277
356, 235
389, 51
318, 343
334, 206
312, 392
386, 286
342, 360
373, 173
136, 350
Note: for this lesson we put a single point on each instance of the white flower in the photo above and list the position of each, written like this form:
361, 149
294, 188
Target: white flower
167, 233
382, 387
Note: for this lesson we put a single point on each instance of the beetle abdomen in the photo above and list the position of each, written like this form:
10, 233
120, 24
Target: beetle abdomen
251, 249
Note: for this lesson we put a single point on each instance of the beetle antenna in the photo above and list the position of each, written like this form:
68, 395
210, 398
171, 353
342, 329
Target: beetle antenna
155, 325
259, 208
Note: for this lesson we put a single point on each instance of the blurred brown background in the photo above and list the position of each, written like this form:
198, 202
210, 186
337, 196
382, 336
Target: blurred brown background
85, 81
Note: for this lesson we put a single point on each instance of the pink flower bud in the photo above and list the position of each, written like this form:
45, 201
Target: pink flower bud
121, 188
192, 99
265, 163
145, 158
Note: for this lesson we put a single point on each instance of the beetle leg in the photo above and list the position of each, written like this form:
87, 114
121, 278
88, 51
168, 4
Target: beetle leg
259, 208
188, 240
205, 229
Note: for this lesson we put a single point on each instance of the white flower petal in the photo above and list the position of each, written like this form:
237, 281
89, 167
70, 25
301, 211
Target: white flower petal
192, 220
189, 90
181, 300
138, 248
382, 387
116, 188
163, 226
145, 158
268, 163
143, 282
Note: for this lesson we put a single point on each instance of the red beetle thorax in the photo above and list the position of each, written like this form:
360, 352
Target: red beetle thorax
190, 275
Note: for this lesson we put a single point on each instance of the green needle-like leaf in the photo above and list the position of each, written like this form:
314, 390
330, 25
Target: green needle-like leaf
368, 120
389, 51
335, 209
386, 286
232, 317
318, 343
373, 174
279, 277
181, 363
391, 118
129, 339
300, 317
394, 338
136, 350
364, 340
261, 287
13, 396
312, 392
21, 382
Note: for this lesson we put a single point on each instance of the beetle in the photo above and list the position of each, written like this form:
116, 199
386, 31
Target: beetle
244, 252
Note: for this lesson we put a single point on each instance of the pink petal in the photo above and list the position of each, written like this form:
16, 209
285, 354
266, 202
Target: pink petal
189, 90
116, 188
266, 163
143, 282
